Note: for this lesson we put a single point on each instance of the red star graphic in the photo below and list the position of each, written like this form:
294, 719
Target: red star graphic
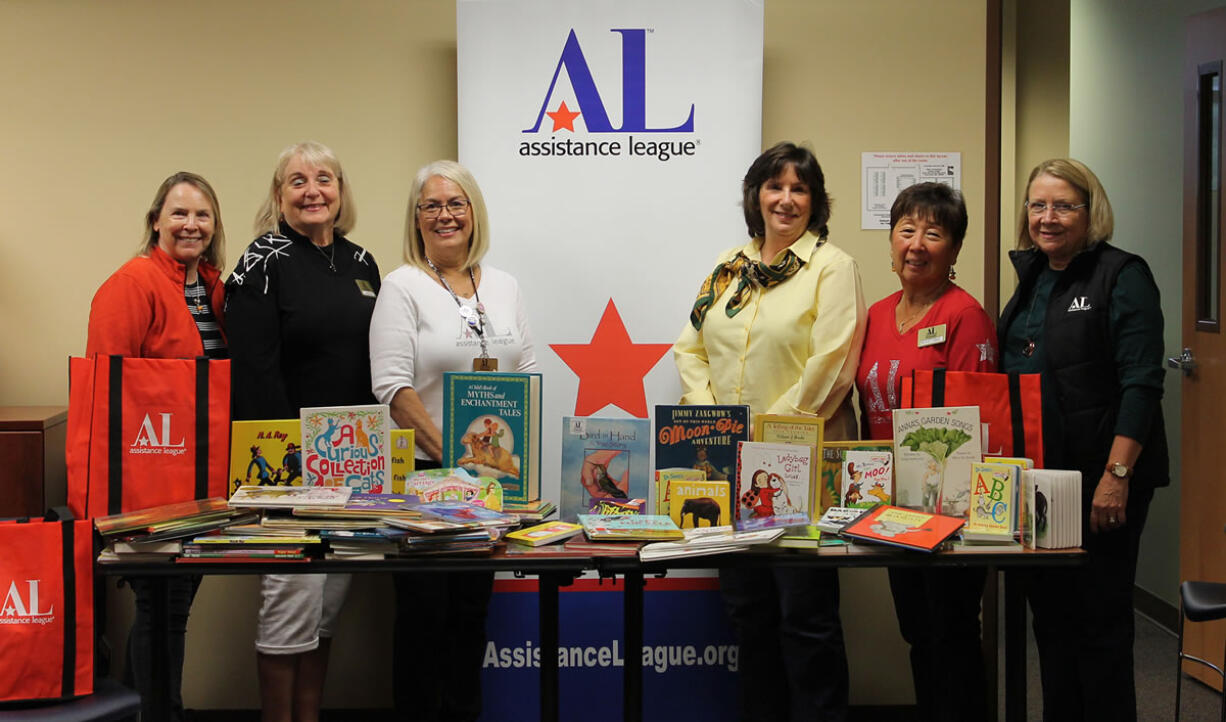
611, 367
563, 118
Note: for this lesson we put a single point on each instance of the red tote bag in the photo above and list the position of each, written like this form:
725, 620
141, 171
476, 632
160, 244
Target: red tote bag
1009, 404
144, 432
47, 617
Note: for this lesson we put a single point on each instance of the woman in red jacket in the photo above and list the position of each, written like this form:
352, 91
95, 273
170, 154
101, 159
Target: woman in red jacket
166, 303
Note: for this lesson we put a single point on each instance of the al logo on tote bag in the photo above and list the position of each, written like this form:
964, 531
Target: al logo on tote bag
1010, 405
47, 613
144, 432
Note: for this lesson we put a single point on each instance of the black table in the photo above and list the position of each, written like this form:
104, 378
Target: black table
558, 571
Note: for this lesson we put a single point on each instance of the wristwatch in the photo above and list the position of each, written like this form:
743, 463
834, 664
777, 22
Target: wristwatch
1119, 470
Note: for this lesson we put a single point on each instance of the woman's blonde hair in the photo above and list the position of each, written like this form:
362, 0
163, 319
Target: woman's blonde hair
1076, 174
268, 218
215, 254
478, 242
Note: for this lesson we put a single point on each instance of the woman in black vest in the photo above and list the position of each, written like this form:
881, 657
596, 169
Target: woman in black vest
1086, 316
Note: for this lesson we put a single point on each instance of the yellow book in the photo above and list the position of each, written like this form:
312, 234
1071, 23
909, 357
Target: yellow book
700, 504
403, 458
664, 477
802, 430
265, 453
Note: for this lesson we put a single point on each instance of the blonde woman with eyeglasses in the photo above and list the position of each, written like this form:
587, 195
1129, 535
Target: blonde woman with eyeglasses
443, 310
1086, 316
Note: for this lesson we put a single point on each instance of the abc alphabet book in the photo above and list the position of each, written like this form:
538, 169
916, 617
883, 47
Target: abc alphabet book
993, 499
700, 437
347, 446
492, 427
603, 458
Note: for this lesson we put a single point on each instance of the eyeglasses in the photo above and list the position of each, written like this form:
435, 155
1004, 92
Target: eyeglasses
1038, 208
457, 207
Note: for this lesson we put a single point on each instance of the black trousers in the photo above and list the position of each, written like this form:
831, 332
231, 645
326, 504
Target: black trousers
938, 616
138, 673
1084, 624
792, 664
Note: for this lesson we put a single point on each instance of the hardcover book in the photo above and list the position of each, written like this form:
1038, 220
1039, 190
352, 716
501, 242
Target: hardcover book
664, 477
700, 504
265, 453
868, 478
803, 430
462, 512
455, 485
993, 501
546, 533
701, 437
403, 459
836, 517
617, 506
772, 485
629, 527
492, 427
333, 497
155, 517
603, 458
933, 452
905, 528
830, 476
347, 446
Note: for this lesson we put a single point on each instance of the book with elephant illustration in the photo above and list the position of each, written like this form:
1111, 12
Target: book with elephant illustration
492, 427
603, 458
933, 452
347, 446
700, 437
700, 504
905, 528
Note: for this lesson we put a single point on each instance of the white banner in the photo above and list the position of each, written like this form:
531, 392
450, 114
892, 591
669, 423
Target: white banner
610, 139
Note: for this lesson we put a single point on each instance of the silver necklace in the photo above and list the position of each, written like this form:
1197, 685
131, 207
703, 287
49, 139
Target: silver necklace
474, 317
329, 257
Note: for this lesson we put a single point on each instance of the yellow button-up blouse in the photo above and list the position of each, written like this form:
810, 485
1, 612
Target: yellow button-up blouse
792, 349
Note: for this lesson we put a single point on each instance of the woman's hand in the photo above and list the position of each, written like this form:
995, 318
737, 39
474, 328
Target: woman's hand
1110, 499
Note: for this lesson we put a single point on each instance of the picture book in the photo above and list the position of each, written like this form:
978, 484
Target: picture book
462, 512
700, 504
291, 496
492, 427
705, 542
546, 533
629, 527
933, 452
347, 446
1056, 494
772, 485
617, 506
830, 475
803, 430
905, 528
403, 458
868, 478
264, 453
456, 485
664, 477
836, 517
603, 458
700, 437
365, 504
145, 520
993, 508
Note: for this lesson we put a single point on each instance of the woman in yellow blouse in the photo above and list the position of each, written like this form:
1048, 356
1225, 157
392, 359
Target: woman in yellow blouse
778, 326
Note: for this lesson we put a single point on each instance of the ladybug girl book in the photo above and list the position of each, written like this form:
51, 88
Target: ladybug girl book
773, 485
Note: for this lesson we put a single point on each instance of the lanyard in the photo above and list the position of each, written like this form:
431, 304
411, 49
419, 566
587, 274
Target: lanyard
474, 317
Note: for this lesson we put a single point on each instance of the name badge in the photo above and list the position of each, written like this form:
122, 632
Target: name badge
365, 288
931, 336
485, 364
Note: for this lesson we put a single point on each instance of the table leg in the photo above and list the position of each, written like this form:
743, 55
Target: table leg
547, 606
632, 669
159, 640
1015, 648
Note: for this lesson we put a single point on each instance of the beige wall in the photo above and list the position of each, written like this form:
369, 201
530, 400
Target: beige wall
103, 100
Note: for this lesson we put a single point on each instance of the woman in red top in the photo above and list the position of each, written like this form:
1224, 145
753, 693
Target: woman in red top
931, 323
165, 303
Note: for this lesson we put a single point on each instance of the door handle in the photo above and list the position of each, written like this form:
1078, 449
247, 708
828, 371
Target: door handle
1185, 362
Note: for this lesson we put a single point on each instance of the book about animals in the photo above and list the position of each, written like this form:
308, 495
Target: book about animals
402, 457
700, 437
836, 517
1056, 495
933, 452
805, 431
455, 484
629, 527
347, 446
603, 458
830, 474
547, 533
993, 509
772, 485
868, 478
265, 453
700, 504
906, 528
291, 496
492, 427
665, 477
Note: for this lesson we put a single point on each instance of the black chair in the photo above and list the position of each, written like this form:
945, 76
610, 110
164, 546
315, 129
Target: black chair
110, 702
1199, 602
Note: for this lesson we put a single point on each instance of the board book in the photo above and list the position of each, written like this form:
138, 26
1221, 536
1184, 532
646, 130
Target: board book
603, 458
700, 504
664, 477
546, 533
347, 446
403, 457
492, 427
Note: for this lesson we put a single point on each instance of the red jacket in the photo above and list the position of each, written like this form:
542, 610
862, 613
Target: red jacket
140, 310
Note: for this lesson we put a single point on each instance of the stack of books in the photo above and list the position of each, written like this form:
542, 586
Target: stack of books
156, 533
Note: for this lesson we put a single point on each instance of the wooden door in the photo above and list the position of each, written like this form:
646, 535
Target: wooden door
1203, 482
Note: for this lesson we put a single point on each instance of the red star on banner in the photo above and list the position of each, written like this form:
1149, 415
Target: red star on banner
611, 367
563, 118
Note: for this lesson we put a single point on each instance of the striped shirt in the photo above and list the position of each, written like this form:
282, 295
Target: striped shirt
202, 313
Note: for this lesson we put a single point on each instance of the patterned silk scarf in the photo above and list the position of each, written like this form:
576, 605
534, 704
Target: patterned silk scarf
748, 273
